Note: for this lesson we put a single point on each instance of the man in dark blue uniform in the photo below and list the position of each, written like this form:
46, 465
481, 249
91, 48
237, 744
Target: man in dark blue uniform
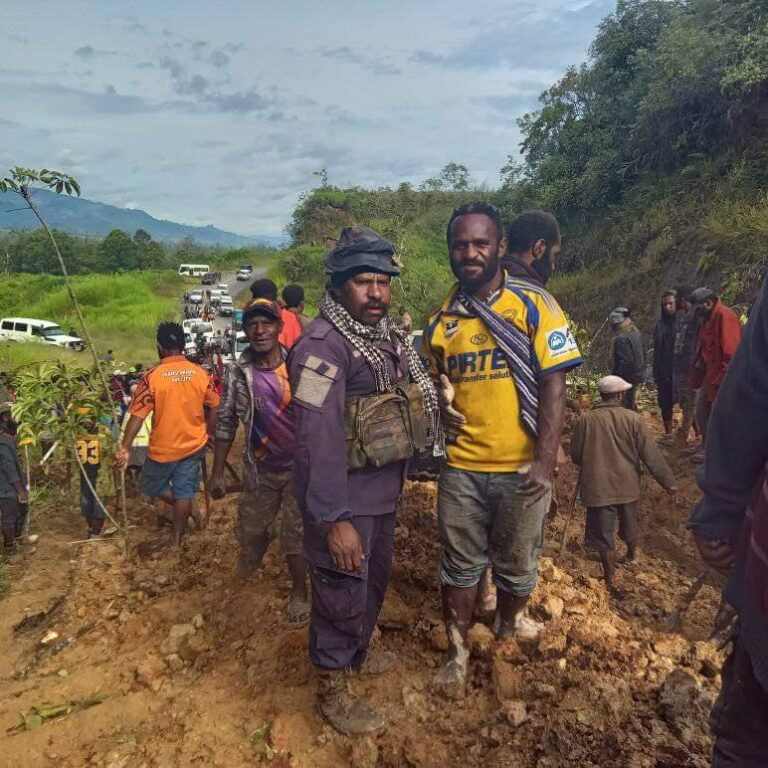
354, 376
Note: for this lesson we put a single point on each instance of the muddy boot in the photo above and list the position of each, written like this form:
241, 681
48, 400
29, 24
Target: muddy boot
345, 712
450, 681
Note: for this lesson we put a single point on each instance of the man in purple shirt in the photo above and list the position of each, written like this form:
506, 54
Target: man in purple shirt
352, 351
258, 393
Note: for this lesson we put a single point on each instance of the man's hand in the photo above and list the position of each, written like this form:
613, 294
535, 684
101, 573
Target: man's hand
346, 547
121, 457
454, 420
23, 496
537, 484
217, 485
718, 553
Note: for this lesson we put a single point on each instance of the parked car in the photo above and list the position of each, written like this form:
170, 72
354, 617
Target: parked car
215, 297
40, 331
196, 296
223, 287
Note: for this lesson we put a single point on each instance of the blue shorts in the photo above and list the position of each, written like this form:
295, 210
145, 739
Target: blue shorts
181, 478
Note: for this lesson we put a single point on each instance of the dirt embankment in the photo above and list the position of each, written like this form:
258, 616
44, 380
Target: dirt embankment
192, 665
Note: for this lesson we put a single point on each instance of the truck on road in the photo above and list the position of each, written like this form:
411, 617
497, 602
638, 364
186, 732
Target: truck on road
40, 331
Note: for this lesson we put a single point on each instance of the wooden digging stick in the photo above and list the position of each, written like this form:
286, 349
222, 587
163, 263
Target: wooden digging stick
570, 516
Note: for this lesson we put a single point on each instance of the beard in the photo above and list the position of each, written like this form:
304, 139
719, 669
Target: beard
471, 283
543, 266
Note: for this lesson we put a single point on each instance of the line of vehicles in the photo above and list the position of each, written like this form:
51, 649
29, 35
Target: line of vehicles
29, 329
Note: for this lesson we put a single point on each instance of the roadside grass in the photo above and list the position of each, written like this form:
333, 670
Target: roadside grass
122, 312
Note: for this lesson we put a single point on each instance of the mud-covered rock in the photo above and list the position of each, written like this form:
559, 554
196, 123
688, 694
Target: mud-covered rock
515, 712
684, 705
150, 672
481, 640
507, 680
176, 634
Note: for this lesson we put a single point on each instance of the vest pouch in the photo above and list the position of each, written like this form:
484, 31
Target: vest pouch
418, 424
382, 430
356, 458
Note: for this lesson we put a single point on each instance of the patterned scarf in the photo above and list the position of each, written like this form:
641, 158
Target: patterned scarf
516, 347
365, 339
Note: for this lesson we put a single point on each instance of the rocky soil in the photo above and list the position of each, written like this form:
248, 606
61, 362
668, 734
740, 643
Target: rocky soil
176, 661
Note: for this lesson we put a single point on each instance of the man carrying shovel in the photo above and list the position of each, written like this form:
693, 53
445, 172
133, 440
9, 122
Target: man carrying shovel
257, 392
610, 444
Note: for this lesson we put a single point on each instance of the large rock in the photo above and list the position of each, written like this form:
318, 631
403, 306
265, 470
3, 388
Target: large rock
684, 705
150, 672
176, 634
553, 607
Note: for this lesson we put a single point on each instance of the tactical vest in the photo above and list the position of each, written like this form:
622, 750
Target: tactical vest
386, 427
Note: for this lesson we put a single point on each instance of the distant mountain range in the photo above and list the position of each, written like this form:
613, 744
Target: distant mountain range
78, 216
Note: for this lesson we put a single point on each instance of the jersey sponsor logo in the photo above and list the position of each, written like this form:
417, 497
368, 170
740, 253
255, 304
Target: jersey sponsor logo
561, 342
476, 362
479, 338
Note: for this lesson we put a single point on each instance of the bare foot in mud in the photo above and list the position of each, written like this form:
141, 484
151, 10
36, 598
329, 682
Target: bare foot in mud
297, 610
196, 518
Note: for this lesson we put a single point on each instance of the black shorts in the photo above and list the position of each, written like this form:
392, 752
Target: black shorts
601, 525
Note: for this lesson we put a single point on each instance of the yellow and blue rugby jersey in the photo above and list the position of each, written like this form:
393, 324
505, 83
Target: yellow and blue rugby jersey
460, 346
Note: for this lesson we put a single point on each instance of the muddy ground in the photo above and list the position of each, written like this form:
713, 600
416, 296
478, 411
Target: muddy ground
176, 661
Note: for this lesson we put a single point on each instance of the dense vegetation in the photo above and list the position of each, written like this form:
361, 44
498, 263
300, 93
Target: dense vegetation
652, 155
31, 252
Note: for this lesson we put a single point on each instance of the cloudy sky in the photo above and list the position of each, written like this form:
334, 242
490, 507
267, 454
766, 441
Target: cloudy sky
219, 112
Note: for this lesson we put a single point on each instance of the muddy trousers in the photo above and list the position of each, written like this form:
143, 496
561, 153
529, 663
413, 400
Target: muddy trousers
346, 606
740, 716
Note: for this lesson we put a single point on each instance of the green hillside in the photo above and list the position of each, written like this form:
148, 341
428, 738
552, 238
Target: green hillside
652, 155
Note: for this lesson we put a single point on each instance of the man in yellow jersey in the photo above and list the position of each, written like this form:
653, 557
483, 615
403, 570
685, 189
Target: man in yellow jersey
500, 348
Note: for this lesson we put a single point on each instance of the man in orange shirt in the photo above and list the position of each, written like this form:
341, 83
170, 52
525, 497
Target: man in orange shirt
177, 393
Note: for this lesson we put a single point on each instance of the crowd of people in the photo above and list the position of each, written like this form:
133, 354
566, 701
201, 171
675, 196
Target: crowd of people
694, 342
334, 408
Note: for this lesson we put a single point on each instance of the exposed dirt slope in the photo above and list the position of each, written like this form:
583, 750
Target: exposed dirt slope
195, 666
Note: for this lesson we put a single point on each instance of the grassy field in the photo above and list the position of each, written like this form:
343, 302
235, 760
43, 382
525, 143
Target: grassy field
122, 312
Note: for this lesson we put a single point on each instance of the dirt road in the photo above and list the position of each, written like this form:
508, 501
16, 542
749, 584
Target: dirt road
192, 665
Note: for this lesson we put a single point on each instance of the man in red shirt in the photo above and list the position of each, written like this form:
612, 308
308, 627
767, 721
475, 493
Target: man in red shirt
719, 338
177, 393
264, 288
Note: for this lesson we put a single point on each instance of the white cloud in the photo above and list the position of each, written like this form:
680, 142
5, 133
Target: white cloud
224, 117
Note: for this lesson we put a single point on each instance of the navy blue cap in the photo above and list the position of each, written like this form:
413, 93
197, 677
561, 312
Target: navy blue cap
359, 248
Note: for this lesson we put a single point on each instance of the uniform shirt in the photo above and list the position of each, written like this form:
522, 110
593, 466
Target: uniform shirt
494, 438
175, 391
272, 438
326, 371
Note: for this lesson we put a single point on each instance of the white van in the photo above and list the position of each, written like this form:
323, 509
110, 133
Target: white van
193, 270
226, 307
42, 331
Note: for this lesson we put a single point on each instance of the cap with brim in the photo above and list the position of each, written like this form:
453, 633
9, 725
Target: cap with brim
618, 314
613, 385
262, 307
701, 294
360, 248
